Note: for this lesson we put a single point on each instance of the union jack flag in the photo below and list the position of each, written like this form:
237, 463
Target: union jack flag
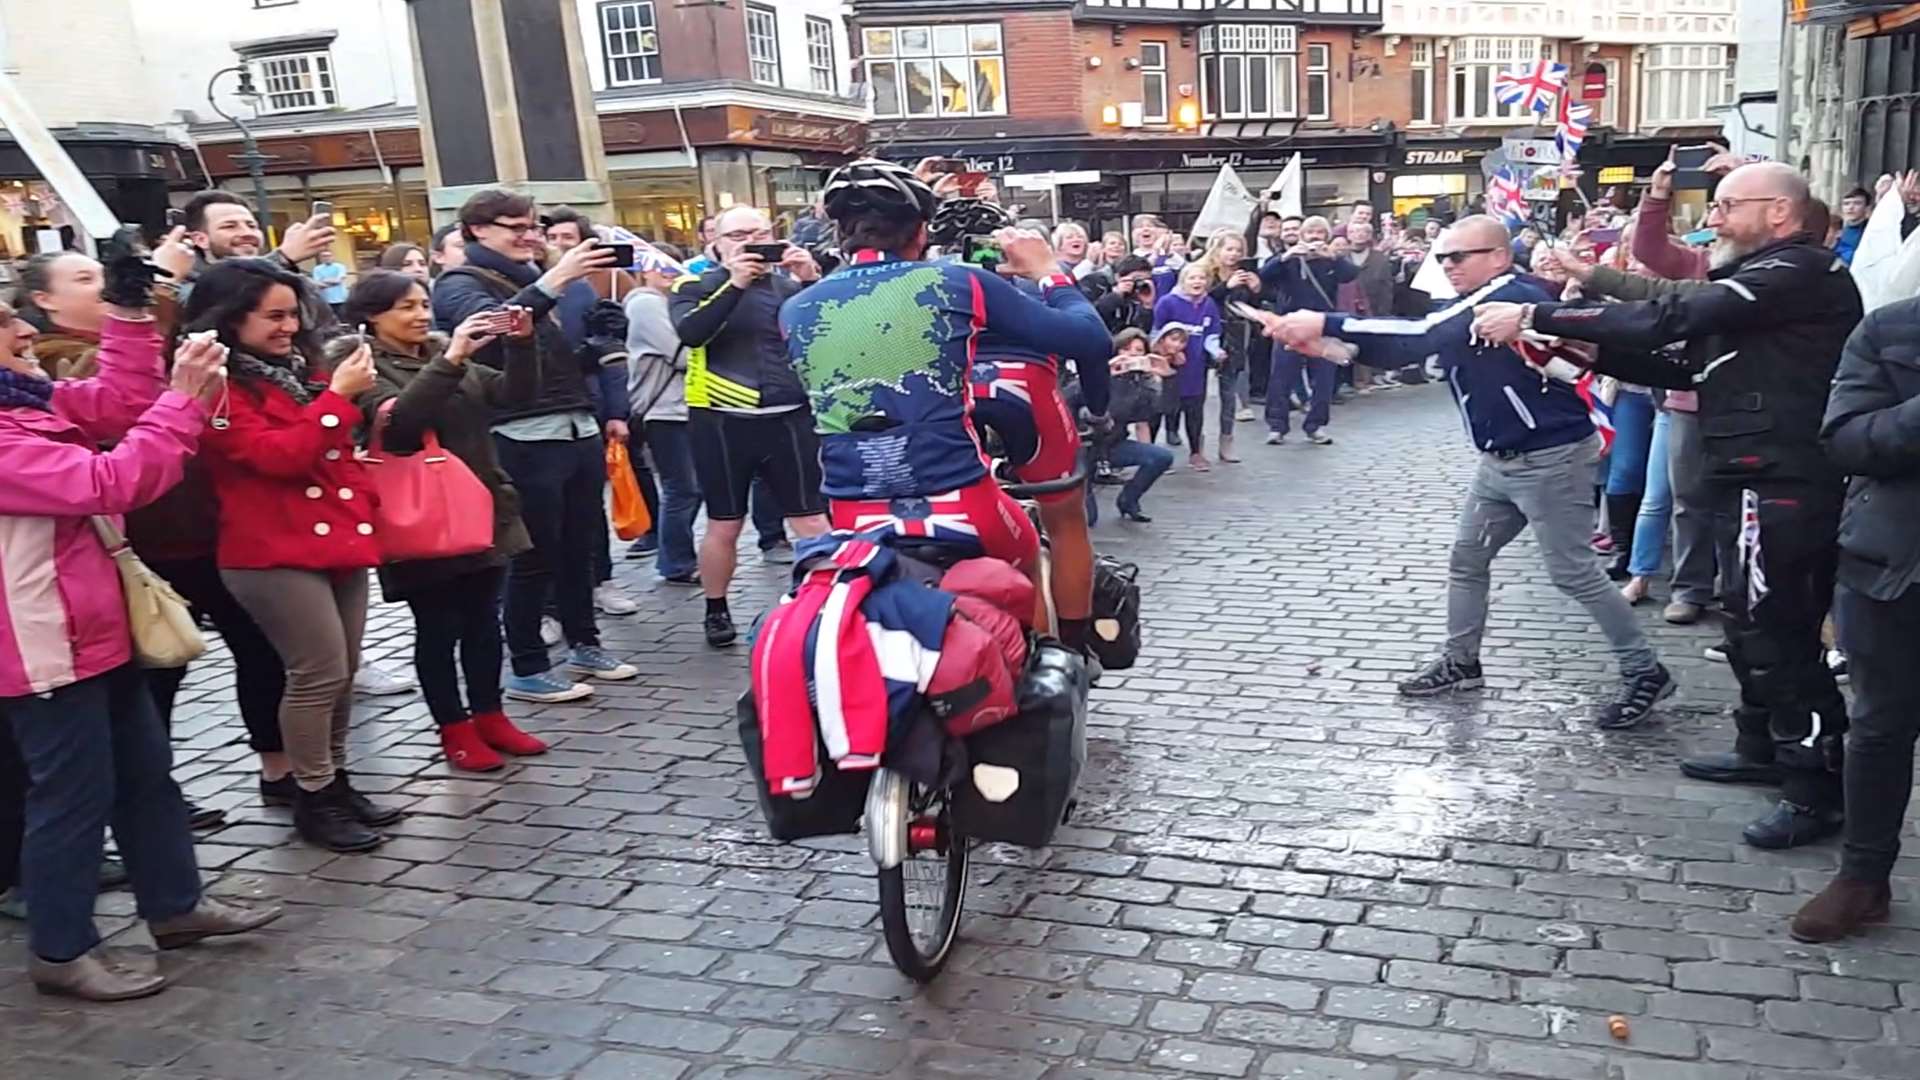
1533, 86
1570, 128
1598, 410
939, 517
1505, 196
1000, 380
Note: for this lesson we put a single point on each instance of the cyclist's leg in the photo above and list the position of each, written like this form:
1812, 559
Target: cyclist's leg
1064, 515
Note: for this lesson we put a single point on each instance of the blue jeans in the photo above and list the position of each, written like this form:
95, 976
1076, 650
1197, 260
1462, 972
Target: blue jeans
560, 484
1656, 505
1150, 460
1632, 440
679, 497
97, 752
1287, 368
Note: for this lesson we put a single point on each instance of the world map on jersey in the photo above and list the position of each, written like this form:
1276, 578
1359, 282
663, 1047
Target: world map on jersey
870, 331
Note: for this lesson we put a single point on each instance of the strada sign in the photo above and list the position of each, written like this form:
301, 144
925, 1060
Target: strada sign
1437, 157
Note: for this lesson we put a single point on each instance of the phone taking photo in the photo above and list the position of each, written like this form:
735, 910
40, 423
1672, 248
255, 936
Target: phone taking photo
772, 253
622, 253
323, 209
1688, 174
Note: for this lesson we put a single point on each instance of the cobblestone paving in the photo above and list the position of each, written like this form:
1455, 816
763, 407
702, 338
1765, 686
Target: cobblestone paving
1277, 870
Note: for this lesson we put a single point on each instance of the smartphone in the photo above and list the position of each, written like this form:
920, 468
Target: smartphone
1701, 237
1604, 237
622, 253
981, 251
969, 183
323, 209
772, 253
1251, 265
176, 217
1688, 174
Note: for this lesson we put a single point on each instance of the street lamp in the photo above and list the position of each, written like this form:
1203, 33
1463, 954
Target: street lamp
250, 155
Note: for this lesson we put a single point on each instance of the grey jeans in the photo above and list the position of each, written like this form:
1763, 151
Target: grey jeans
1693, 510
314, 621
1550, 490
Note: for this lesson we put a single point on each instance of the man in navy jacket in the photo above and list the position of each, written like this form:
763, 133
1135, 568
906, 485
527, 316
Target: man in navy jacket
1537, 455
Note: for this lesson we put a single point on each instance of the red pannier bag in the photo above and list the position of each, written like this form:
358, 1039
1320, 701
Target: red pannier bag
984, 649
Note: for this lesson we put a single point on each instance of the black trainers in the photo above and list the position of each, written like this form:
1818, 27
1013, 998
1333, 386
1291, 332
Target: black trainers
1442, 675
1638, 695
365, 810
720, 631
325, 819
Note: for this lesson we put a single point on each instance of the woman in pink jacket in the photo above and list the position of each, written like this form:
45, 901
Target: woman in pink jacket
76, 704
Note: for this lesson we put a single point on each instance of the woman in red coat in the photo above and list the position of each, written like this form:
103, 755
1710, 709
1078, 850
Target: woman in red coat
296, 525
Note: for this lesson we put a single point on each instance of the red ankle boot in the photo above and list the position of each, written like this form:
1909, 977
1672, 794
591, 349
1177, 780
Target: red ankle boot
499, 733
467, 749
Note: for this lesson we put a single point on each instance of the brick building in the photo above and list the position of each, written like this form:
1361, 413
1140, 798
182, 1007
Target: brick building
1099, 109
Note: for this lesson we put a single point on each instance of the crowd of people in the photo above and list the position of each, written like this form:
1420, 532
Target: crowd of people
173, 385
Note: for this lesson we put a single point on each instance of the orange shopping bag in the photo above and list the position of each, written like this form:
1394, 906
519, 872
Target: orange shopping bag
630, 517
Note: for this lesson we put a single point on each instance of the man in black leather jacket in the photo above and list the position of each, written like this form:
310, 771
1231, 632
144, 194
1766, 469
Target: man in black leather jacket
1764, 340
1873, 432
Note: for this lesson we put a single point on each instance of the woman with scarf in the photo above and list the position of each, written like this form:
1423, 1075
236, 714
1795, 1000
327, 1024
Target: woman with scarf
176, 535
296, 525
74, 701
1190, 306
424, 382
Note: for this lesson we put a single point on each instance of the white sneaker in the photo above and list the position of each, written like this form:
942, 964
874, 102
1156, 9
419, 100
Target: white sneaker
1244, 415
1716, 653
612, 601
375, 681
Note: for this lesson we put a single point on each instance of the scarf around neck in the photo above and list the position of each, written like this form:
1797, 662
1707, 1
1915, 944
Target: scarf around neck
25, 391
287, 374
522, 274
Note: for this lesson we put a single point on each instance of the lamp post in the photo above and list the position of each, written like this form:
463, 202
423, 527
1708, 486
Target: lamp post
250, 155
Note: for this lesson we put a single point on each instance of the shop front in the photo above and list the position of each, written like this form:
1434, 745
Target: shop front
1617, 168
1438, 177
130, 168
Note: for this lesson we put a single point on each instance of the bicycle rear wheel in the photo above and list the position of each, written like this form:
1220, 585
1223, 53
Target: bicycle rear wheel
921, 898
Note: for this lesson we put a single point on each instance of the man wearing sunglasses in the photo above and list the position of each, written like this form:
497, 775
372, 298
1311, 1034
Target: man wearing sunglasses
1537, 454
1764, 340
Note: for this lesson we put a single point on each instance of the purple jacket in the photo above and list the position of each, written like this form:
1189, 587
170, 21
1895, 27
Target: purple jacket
1202, 318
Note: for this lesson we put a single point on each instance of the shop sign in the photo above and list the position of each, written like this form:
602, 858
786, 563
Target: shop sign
1616, 174
813, 131
1531, 151
1455, 156
1239, 159
998, 165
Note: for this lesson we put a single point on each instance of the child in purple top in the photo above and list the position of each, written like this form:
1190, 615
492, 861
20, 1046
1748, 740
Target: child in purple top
1190, 306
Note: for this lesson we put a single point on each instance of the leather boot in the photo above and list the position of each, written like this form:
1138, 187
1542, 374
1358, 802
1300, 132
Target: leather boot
1752, 758
1791, 825
93, 977
1227, 456
501, 734
1841, 909
211, 918
325, 819
1622, 512
365, 810
465, 749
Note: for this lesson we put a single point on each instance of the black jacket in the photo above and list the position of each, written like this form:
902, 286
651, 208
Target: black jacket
1872, 431
1763, 342
736, 358
1120, 310
489, 281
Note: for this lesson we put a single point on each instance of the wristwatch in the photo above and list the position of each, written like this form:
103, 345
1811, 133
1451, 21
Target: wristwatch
1526, 318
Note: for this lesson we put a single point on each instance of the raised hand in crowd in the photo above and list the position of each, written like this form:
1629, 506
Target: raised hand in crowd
745, 268
1570, 264
799, 262
307, 239
474, 333
1027, 253
579, 261
200, 367
354, 375
174, 255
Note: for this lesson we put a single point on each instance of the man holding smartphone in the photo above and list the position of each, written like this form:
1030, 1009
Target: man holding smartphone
747, 414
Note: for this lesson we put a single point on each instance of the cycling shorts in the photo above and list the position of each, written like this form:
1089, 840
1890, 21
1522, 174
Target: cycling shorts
730, 449
1021, 401
979, 517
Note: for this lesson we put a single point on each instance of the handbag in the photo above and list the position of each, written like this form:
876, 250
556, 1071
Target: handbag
630, 518
428, 505
158, 620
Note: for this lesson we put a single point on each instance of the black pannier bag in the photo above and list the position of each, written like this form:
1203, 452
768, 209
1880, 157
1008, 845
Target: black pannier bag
1116, 613
832, 809
1021, 773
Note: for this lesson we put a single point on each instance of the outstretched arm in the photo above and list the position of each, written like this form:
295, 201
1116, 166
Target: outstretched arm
1061, 322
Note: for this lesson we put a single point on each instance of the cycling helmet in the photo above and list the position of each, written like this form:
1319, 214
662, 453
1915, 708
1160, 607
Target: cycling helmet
873, 184
958, 218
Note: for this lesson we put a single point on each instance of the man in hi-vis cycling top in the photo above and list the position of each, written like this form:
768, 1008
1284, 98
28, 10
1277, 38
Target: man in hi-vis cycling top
886, 347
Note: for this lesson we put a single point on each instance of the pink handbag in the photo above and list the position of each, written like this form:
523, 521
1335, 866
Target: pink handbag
430, 505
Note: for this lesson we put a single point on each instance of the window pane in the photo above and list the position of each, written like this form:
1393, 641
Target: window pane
1422, 91
985, 37
1153, 54
915, 41
1259, 38
1153, 94
950, 41
954, 97
1318, 57
919, 78
1259, 102
1233, 38
1210, 86
1285, 39
884, 76
1286, 83
1482, 90
879, 42
989, 85
1233, 97
1316, 94
1461, 106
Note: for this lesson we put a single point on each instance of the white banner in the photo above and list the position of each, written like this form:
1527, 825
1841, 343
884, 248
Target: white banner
1228, 207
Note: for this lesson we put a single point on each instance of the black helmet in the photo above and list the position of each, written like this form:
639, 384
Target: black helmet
873, 184
959, 218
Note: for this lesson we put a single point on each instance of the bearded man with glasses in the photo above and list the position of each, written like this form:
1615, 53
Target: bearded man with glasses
1537, 450
1763, 341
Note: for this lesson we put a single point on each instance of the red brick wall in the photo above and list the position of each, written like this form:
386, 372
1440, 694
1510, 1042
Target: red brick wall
1044, 65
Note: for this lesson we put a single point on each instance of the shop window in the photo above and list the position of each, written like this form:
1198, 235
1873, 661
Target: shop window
631, 43
1319, 82
763, 44
1420, 56
1682, 84
951, 69
822, 75
1475, 61
1249, 71
1153, 82
295, 82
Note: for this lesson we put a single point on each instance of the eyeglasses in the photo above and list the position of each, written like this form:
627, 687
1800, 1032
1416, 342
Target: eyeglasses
1729, 205
1455, 258
520, 228
742, 236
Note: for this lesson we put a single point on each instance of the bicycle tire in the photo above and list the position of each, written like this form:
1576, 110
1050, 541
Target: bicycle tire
922, 965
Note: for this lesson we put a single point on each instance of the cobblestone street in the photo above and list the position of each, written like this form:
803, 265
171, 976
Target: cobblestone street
1277, 868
